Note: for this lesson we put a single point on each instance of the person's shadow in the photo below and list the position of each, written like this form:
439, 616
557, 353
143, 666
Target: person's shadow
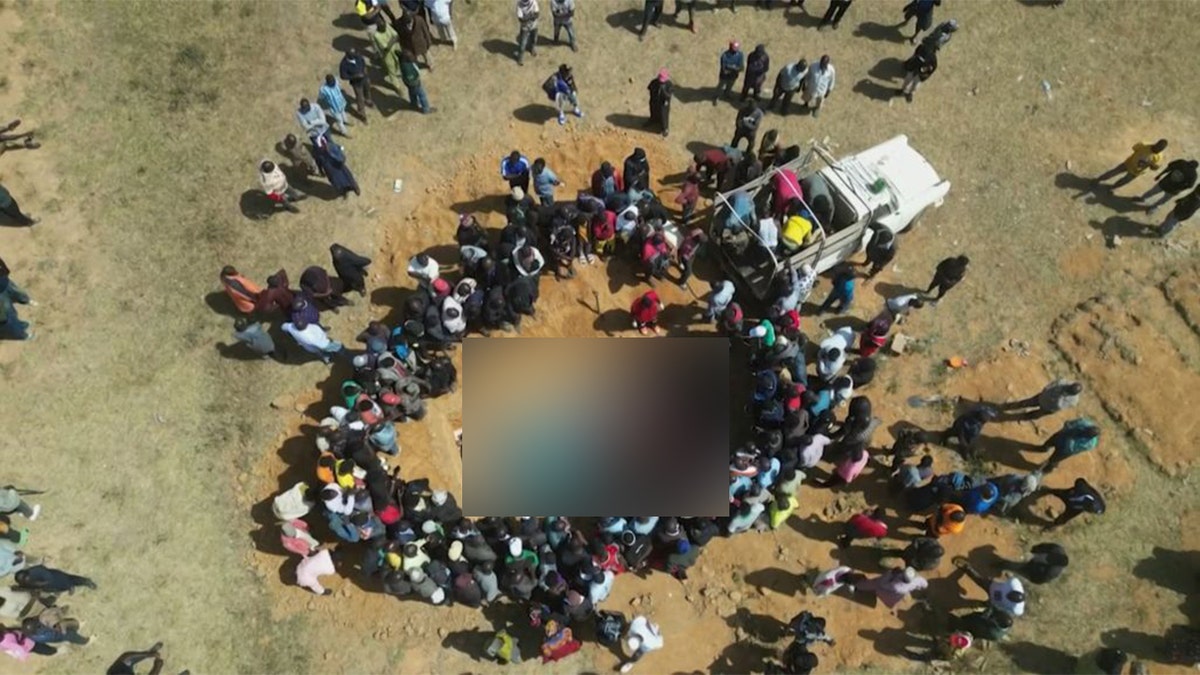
471, 642
874, 90
880, 32
1122, 226
1094, 194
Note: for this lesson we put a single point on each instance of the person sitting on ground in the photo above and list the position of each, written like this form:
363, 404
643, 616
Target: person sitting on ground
1046, 563
866, 525
809, 629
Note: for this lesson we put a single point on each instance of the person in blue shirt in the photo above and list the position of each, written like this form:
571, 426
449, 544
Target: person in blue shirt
330, 98
979, 499
842, 293
544, 182
515, 170
565, 92
733, 62
1076, 436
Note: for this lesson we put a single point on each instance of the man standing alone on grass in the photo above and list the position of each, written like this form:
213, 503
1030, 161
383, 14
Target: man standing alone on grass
661, 89
1180, 175
11, 325
918, 68
732, 63
10, 208
818, 85
948, 274
1184, 209
833, 15
1060, 394
1142, 158
353, 69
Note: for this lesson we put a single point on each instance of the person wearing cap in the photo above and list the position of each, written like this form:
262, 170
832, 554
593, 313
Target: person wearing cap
425, 587
732, 62
641, 638
527, 20
661, 90
834, 13
313, 339
515, 169
563, 12
818, 85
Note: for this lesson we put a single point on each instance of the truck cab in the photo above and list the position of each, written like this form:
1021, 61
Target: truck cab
890, 185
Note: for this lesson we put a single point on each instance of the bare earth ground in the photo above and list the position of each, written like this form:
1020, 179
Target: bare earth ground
159, 449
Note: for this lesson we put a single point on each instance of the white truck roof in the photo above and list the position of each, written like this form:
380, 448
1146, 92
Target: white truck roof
908, 176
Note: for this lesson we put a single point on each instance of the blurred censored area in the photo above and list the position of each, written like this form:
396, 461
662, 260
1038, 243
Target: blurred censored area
595, 427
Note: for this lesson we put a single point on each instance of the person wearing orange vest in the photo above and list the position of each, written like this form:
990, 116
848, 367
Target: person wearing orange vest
947, 520
242, 291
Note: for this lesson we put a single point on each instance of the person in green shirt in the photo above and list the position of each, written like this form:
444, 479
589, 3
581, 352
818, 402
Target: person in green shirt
412, 80
9, 207
385, 40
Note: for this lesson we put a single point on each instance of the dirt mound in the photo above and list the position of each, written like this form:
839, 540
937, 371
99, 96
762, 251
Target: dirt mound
1137, 354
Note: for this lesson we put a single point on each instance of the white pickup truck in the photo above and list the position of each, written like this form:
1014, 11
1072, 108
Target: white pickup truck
890, 185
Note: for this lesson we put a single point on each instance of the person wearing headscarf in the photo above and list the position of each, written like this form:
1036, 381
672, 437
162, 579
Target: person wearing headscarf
350, 267
275, 186
332, 160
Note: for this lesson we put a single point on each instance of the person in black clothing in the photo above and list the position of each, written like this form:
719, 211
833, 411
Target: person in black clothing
948, 274
923, 554
353, 69
918, 68
987, 624
127, 662
651, 14
798, 660
746, 126
968, 427
1178, 176
833, 15
661, 89
1184, 209
757, 65
1079, 498
521, 295
350, 267
881, 250
1047, 562
637, 171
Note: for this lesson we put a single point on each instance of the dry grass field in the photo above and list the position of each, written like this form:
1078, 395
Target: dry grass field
159, 445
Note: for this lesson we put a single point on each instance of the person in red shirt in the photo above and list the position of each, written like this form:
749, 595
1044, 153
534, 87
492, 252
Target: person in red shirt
656, 255
866, 525
645, 313
712, 163
688, 197
686, 253
604, 233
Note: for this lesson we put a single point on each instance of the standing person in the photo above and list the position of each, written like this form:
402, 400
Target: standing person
732, 62
687, 197
686, 253
651, 14
789, 81
275, 186
893, 586
881, 250
746, 126
332, 160
330, 98
1184, 209
11, 325
411, 74
544, 182
637, 171
515, 170
645, 311
1076, 437
1046, 563
719, 299
1178, 176
369, 10
414, 36
241, 291
12, 501
1061, 394
1079, 498
1005, 593
642, 637
10, 208
922, 11
254, 336
313, 339
311, 119
661, 89
947, 275
842, 292
690, 6
439, 13
918, 68
833, 15
758, 64
350, 267
353, 69
387, 50
565, 93
563, 12
818, 85
939, 37
527, 20
1142, 158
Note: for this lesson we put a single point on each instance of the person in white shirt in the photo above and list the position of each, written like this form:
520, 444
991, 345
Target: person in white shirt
818, 85
439, 13
831, 355
312, 119
529, 261
313, 339
642, 637
423, 268
1006, 593
900, 305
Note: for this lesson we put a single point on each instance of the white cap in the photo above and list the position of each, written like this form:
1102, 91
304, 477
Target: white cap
758, 331
439, 497
515, 547
429, 527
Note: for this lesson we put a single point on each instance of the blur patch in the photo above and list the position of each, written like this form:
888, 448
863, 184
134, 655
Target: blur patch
596, 427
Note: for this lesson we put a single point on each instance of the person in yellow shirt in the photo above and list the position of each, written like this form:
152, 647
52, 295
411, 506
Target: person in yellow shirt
1143, 158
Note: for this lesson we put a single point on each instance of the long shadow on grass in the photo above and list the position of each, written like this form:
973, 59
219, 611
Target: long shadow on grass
880, 32
1174, 570
535, 113
1122, 226
1038, 659
874, 90
1083, 188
